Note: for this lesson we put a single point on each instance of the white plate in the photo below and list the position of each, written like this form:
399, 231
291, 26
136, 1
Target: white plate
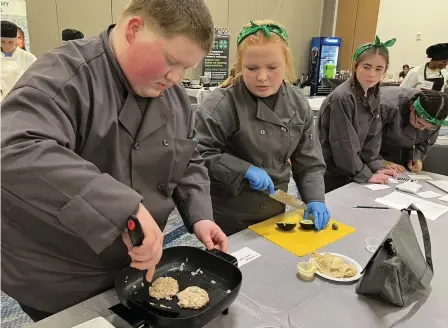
348, 260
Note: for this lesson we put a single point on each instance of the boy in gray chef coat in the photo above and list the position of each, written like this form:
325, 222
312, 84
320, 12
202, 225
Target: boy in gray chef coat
95, 131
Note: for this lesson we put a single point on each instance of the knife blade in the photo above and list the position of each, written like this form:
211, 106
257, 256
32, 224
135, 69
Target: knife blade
288, 199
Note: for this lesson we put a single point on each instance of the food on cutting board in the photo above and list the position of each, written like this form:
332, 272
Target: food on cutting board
164, 288
286, 226
333, 266
306, 224
334, 226
193, 298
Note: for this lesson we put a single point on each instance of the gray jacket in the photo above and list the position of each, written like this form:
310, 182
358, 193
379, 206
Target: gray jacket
349, 128
237, 130
402, 142
78, 156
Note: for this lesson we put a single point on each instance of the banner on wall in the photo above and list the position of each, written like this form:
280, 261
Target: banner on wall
15, 11
216, 63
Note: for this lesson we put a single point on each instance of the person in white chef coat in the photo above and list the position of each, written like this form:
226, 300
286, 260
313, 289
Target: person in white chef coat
432, 75
14, 60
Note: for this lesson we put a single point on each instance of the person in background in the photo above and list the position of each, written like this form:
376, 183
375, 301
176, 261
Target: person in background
21, 42
251, 126
411, 123
432, 75
403, 73
14, 60
71, 34
349, 122
95, 132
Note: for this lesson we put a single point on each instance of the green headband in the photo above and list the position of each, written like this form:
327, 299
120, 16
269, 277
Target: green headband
266, 28
425, 115
378, 43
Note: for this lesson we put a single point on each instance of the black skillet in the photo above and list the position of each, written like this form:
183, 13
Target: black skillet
214, 271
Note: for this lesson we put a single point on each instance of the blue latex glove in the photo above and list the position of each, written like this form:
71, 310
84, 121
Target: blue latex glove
259, 179
320, 212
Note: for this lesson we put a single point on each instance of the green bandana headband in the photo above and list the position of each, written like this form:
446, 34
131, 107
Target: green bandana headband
378, 43
425, 115
266, 28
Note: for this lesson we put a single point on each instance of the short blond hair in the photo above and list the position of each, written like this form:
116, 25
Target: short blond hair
190, 18
260, 38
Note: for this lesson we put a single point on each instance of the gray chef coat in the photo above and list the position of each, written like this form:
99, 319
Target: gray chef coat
237, 130
78, 156
402, 142
349, 126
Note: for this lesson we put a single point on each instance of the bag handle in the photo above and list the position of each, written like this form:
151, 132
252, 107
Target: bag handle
425, 232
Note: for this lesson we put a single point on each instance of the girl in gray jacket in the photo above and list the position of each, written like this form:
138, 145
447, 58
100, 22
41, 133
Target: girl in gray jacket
411, 124
249, 128
349, 122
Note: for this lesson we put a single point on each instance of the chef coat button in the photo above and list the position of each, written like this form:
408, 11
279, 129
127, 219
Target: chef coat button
263, 207
262, 132
284, 129
166, 143
160, 187
137, 146
361, 123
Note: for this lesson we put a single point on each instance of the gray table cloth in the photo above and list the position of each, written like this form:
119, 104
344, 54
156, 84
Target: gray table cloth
273, 296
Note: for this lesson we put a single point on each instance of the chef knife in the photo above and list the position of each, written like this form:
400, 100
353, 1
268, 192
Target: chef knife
287, 199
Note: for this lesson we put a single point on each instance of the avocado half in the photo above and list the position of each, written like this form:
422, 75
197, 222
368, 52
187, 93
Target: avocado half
307, 224
285, 226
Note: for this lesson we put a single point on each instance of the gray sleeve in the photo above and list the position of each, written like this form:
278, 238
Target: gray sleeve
192, 194
422, 148
386, 120
40, 167
213, 134
345, 144
372, 145
308, 165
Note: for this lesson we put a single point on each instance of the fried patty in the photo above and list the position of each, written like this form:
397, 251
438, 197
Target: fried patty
193, 298
164, 288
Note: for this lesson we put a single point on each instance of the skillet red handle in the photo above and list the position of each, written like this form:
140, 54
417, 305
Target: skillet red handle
135, 231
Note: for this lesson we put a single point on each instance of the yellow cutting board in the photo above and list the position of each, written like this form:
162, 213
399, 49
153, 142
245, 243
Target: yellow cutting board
298, 241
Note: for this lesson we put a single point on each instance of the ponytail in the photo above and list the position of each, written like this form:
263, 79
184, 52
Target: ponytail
231, 77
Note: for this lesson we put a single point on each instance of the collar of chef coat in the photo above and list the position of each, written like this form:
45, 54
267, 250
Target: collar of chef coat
284, 110
13, 55
115, 67
156, 115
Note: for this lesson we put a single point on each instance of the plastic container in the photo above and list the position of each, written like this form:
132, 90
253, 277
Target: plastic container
372, 244
306, 271
329, 70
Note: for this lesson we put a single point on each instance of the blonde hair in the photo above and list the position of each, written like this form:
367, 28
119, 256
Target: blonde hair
260, 38
190, 18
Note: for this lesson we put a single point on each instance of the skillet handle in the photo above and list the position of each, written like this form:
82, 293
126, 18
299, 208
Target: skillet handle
146, 307
227, 257
135, 231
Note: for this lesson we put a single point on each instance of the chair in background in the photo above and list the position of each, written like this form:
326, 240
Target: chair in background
437, 159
